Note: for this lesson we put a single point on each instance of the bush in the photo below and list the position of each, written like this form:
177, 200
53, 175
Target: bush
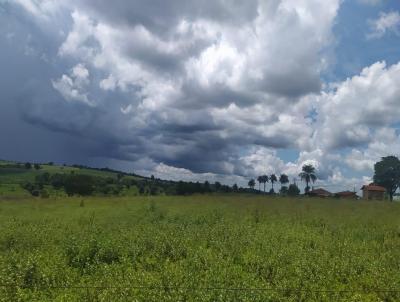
284, 190
293, 190
32, 188
79, 185
57, 181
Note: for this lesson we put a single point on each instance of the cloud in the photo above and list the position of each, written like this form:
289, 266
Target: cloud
386, 142
349, 115
72, 87
199, 90
386, 23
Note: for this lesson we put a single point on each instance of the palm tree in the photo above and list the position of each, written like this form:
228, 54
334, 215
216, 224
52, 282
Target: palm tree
260, 180
273, 179
252, 183
283, 179
308, 175
265, 179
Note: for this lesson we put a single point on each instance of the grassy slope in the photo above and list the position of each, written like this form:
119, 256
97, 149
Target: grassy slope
18, 175
199, 241
10, 178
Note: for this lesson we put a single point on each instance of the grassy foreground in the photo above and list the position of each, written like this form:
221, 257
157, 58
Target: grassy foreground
199, 248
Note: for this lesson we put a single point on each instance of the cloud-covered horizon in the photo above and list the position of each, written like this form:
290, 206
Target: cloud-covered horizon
222, 90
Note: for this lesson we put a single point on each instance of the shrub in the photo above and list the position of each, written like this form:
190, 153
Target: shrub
57, 181
79, 185
293, 190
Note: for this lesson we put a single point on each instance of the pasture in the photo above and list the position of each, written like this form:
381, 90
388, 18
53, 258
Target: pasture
198, 248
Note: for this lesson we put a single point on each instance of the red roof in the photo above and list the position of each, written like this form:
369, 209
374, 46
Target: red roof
346, 193
373, 187
320, 192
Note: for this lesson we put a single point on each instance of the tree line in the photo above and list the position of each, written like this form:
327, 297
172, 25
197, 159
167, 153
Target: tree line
308, 175
85, 185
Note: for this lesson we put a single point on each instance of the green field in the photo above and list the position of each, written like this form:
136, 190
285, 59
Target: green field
198, 248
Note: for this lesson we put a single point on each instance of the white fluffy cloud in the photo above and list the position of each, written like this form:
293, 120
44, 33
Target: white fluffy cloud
355, 108
387, 22
72, 87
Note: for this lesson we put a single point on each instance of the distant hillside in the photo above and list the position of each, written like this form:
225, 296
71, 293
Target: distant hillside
24, 179
15, 172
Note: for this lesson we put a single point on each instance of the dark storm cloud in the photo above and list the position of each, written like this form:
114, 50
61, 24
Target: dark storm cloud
191, 84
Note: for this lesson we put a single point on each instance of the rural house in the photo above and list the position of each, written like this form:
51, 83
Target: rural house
320, 193
373, 191
346, 195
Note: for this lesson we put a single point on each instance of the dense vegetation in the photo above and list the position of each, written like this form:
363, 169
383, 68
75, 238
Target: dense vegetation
199, 248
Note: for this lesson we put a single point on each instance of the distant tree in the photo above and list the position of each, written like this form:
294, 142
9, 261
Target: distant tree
264, 180
79, 185
387, 174
28, 166
152, 177
293, 190
50, 163
259, 180
235, 187
308, 175
273, 179
120, 176
43, 179
252, 184
283, 179
57, 181
284, 190
36, 166
217, 186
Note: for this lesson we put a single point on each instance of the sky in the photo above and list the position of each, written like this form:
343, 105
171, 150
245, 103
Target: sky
222, 90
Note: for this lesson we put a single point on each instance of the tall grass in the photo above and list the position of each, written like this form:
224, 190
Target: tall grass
199, 248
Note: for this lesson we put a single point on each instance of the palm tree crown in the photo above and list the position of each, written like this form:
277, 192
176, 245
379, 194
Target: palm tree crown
273, 179
283, 179
260, 180
308, 175
264, 180
252, 183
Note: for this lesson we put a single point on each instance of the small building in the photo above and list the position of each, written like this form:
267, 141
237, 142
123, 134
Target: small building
320, 193
373, 192
346, 195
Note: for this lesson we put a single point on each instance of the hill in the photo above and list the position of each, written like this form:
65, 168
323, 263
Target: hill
49, 179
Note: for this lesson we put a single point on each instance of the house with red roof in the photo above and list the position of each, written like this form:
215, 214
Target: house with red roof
346, 195
320, 193
373, 192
